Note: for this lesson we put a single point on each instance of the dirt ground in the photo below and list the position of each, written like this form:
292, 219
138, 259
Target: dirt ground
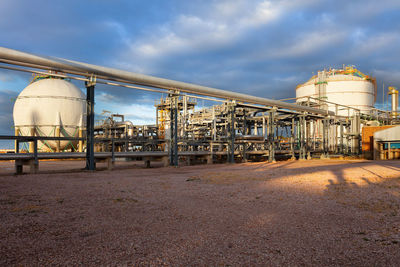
330, 212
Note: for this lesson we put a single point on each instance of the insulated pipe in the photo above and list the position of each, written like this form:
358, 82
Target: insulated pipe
15, 57
395, 99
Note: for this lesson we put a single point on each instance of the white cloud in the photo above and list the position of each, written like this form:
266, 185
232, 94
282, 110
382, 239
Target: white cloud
370, 44
139, 113
105, 97
309, 43
187, 33
223, 24
119, 29
264, 12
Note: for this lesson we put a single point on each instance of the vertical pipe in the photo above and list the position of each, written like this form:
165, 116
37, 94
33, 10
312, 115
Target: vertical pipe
245, 132
302, 136
347, 146
232, 159
263, 126
185, 112
176, 132
35, 151
292, 133
271, 136
231, 133
112, 150
395, 95
308, 138
31, 145
327, 123
387, 103
171, 141
157, 117
16, 142
58, 131
325, 138
214, 131
80, 142
341, 138
90, 162
314, 132
336, 136
383, 95
126, 137
358, 134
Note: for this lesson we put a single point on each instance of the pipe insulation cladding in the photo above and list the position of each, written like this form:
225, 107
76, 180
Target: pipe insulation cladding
395, 99
10, 56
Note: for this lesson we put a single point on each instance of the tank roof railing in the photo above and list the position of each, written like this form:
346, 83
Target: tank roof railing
321, 100
376, 113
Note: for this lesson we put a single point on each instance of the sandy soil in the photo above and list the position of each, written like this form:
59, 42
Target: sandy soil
287, 213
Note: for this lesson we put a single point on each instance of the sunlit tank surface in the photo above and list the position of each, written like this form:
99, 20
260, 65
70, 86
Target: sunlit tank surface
50, 107
347, 86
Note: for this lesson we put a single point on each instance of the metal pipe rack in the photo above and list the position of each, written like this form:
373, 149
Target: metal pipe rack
227, 132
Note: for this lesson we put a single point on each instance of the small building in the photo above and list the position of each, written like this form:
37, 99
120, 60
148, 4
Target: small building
387, 143
368, 139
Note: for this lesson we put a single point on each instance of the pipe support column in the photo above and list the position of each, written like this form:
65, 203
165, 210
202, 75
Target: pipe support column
271, 136
231, 133
292, 140
174, 130
90, 161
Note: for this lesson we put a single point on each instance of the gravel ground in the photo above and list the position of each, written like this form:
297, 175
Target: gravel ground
287, 213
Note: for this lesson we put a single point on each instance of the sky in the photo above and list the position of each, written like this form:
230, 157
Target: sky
257, 47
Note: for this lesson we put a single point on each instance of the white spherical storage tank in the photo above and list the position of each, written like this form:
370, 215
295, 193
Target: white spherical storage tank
50, 107
347, 87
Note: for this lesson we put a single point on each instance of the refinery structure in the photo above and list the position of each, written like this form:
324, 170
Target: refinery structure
332, 115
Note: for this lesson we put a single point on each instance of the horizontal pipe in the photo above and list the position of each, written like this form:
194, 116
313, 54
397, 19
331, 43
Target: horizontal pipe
26, 138
15, 57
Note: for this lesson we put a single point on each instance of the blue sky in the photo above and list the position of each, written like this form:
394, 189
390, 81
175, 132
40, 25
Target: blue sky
263, 48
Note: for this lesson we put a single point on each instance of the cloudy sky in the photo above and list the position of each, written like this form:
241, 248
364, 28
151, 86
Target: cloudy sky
263, 48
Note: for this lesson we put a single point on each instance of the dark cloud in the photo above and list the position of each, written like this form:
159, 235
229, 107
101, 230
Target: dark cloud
7, 99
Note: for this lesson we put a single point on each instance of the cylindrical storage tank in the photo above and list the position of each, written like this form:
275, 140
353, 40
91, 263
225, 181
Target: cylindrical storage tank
347, 87
50, 107
395, 100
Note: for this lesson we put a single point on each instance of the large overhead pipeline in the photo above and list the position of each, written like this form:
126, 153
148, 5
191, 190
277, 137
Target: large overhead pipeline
10, 56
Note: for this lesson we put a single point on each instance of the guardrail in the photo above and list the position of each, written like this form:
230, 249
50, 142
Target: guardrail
32, 159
